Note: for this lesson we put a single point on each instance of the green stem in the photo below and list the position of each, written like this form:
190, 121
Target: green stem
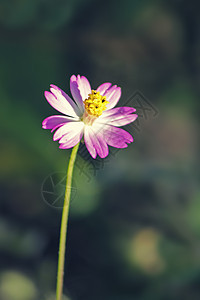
63, 229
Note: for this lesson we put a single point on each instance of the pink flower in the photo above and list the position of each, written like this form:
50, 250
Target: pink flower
89, 114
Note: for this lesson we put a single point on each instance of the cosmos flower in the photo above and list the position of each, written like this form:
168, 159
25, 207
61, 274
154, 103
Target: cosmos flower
91, 114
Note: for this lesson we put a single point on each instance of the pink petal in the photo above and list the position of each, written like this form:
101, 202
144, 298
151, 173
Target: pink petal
113, 95
99, 144
58, 93
122, 121
103, 88
69, 128
116, 137
103, 152
118, 120
89, 141
60, 103
80, 88
84, 86
95, 142
54, 121
118, 110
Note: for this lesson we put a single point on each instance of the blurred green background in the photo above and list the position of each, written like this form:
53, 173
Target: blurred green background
134, 223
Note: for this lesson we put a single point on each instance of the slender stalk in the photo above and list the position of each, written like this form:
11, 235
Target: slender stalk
64, 221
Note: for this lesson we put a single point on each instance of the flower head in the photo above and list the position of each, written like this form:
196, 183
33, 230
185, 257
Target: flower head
91, 114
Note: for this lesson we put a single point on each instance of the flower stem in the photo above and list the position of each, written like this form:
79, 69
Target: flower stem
64, 221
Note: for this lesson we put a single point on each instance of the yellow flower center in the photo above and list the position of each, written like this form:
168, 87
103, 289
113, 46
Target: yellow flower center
95, 104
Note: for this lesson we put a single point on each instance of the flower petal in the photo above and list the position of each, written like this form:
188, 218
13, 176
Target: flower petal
118, 120
113, 95
71, 141
60, 103
80, 88
116, 137
101, 146
84, 86
54, 121
77, 130
95, 142
99, 143
118, 110
89, 141
122, 121
103, 88
70, 128
58, 93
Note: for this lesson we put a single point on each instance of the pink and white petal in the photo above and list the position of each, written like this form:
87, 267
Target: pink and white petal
119, 120
80, 89
84, 86
72, 142
52, 130
89, 142
98, 128
53, 121
122, 121
60, 104
124, 110
97, 139
69, 128
116, 137
99, 143
117, 143
108, 93
71, 134
103, 147
113, 95
76, 94
103, 88
59, 93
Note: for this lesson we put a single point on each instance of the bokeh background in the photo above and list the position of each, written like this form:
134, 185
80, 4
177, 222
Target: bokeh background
134, 223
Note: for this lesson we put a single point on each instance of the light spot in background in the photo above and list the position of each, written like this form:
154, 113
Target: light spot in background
144, 251
16, 286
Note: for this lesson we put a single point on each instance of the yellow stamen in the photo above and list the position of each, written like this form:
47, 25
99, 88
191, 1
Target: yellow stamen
95, 104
